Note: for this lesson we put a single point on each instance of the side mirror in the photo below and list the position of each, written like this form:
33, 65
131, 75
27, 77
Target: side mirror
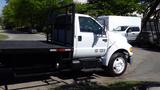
104, 28
103, 24
104, 31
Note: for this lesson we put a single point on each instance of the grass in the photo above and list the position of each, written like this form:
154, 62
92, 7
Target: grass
3, 37
124, 85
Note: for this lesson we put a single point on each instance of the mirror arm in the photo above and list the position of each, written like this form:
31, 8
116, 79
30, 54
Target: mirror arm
104, 28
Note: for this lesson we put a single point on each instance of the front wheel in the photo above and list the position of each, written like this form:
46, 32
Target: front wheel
117, 64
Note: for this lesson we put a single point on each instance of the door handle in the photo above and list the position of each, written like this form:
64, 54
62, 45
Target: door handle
79, 38
105, 40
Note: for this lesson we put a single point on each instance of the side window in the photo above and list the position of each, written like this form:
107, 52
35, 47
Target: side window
129, 30
135, 29
89, 25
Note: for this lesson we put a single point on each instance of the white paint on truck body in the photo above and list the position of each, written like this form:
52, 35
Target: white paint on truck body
115, 42
89, 44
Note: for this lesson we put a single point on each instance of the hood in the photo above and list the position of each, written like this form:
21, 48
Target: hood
113, 36
118, 41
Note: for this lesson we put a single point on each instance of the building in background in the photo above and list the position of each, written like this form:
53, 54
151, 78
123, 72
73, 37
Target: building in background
80, 1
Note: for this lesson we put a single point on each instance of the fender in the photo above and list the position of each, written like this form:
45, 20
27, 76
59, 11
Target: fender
116, 45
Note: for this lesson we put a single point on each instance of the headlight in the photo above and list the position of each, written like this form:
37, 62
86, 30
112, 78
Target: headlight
131, 49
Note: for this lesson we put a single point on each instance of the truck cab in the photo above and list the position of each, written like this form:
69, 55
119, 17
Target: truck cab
93, 45
90, 41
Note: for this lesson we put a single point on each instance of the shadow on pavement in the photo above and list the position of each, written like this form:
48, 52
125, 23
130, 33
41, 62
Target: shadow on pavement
149, 47
47, 79
29, 82
125, 85
82, 81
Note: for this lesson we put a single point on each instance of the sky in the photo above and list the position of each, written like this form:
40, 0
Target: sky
2, 4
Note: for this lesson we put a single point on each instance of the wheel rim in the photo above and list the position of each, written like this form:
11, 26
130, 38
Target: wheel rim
119, 65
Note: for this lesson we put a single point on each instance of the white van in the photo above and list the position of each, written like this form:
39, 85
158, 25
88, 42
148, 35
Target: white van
128, 26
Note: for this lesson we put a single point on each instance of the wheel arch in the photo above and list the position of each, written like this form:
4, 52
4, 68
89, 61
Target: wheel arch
111, 53
125, 52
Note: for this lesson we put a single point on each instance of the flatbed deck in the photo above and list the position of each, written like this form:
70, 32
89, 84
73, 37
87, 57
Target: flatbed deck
27, 46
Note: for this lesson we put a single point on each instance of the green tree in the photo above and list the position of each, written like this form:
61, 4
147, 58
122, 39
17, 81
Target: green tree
30, 13
38, 13
8, 15
112, 7
0, 21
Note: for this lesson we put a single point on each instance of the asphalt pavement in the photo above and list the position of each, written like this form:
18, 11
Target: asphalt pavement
146, 66
25, 36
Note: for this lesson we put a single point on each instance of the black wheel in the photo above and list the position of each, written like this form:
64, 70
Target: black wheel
117, 64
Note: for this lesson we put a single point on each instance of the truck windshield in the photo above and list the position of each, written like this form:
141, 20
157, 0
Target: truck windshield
120, 28
62, 33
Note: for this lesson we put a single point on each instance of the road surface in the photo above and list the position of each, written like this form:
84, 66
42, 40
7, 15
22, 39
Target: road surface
25, 36
145, 67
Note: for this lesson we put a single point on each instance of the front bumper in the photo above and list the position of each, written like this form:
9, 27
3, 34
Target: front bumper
130, 59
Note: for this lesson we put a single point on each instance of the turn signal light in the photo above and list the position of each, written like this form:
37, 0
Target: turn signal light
131, 49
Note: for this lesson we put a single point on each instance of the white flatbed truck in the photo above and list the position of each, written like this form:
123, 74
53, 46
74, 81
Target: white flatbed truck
77, 42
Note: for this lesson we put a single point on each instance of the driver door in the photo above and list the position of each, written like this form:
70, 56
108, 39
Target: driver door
90, 41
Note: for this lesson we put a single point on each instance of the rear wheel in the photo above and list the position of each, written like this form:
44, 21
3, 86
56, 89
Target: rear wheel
117, 64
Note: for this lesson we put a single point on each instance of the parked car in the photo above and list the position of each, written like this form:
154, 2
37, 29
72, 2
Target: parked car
130, 32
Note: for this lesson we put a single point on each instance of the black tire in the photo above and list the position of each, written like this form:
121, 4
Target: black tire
117, 60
